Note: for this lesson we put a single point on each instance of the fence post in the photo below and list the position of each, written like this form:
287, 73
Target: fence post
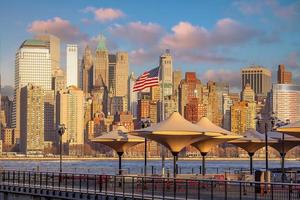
73, 177
152, 188
290, 192
87, 183
186, 189
211, 190
240, 190
53, 179
199, 189
132, 187
115, 181
272, 197
226, 190
174, 185
143, 186
163, 179
95, 183
123, 186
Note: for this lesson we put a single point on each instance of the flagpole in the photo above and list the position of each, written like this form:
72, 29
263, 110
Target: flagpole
163, 118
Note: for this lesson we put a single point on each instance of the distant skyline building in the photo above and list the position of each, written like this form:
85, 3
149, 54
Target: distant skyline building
32, 65
177, 77
53, 44
248, 94
32, 119
189, 88
259, 78
132, 96
101, 64
166, 72
72, 65
283, 76
87, 70
226, 105
121, 77
70, 111
243, 117
285, 101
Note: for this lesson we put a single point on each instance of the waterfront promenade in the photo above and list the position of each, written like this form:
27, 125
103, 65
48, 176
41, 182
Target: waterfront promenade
51, 185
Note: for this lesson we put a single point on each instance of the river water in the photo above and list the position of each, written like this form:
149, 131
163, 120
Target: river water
136, 166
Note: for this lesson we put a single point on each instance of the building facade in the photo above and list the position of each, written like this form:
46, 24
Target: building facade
32, 119
87, 70
70, 112
166, 73
32, 65
72, 65
189, 88
259, 78
101, 67
53, 44
285, 101
283, 76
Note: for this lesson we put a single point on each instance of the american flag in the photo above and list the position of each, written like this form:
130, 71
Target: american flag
146, 80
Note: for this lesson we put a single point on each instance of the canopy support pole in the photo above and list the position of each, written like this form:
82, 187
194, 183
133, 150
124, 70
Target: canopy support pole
120, 162
203, 154
251, 154
175, 154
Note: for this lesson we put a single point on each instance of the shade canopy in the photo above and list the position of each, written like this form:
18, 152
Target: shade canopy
283, 146
175, 133
205, 123
206, 144
291, 129
118, 139
252, 141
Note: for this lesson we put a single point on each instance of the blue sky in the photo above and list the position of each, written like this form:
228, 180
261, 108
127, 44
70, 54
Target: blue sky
213, 38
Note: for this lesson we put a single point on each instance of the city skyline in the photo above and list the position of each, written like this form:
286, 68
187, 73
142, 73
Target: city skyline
226, 36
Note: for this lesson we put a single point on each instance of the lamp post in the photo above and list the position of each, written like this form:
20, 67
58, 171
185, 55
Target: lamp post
145, 124
282, 153
60, 130
261, 121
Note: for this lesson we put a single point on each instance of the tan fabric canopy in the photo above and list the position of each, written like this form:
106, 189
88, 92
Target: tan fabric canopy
118, 139
252, 141
289, 142
205, 123
207, 143
175, 133
291, 129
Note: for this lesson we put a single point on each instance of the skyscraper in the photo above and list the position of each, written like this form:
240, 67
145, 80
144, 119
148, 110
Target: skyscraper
72, 65
49, 115
248, 94
243, 117
32, 119
101, 64
87, 70
227, 103
53, 44
132, 96
189, 88
285, 101
177, 76
259, 79
121, 77
70, 111
166, 73
32, 65
283, 77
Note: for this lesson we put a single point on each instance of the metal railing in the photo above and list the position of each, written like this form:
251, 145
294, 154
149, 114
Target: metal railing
134, 187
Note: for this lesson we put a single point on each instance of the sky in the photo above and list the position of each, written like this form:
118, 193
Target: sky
213, 38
